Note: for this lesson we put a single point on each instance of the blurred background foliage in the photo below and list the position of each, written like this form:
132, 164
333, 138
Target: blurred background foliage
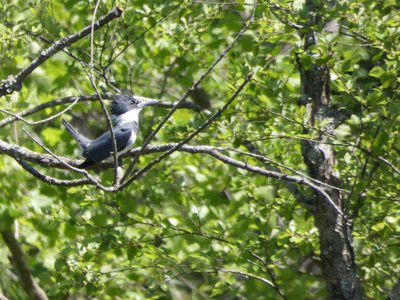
193, 227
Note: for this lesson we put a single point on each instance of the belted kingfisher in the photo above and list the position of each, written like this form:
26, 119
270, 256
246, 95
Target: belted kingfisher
125, 110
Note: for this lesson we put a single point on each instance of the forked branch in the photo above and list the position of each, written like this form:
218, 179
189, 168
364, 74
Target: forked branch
14, 82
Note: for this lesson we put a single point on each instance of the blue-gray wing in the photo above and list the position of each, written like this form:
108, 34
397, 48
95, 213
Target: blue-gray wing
102, 147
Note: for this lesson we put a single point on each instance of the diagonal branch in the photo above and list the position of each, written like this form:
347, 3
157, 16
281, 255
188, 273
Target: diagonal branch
51, 180
17, 256
300, 196
44, 160
43, 106
186, 95
188, 138
71, 99
20, 153
65, 164
247, 275
273, 174
52, 117
113, 58
14, 82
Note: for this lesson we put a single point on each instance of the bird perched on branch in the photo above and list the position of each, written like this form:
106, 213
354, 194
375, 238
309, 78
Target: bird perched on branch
125, 109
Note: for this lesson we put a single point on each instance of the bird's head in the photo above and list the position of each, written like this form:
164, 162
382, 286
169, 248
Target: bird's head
125, 102
125, 107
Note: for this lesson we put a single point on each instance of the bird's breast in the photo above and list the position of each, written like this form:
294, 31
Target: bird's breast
132, 139
130, 142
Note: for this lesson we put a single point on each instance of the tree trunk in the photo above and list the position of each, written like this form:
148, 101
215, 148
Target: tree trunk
337, 255
29, 284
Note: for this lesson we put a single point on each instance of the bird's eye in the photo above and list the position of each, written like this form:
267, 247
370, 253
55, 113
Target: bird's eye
134, 101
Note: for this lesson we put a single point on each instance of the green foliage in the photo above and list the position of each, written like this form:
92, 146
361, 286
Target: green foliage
192, 226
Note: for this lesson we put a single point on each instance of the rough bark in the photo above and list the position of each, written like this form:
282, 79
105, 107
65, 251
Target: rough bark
395, 292
337, 255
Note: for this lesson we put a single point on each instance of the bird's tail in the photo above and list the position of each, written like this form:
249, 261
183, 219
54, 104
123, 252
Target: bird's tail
81, 139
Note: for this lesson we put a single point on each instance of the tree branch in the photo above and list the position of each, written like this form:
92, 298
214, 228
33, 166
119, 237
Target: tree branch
51, 180
247, 275
70, 167
63, 163
113, 58
188, 138
277, 175
44, 160
28, 282
183, 98
14, 82
43, 106
52, 117
299, 195
72, 99
2, 297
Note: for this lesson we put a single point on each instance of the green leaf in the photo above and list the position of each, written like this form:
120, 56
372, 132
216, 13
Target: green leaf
343, 131
99, 219
52, 136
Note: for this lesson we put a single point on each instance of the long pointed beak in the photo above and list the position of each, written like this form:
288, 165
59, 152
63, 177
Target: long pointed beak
144, 103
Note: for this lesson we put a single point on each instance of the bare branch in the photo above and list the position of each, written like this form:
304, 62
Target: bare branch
44, 160
14, 82
28, 282
112, 59
65, 164
43, 106
51, 180
388, 163
102, 104
248, 275
273, 174
270, 273
188, 138
275, 7
72, 99
52, 117
185, 96
264, 159
299, 195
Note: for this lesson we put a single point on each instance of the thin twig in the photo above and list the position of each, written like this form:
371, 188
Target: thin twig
17, 116
111, 60
270, 273
72, 99
188, 138
92, 37
14, 82
274, 7
267, 160
84, 172
53, 160
78, 59
103, 107
51, 180
43, 106
273, 174
246, 275
186, 95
